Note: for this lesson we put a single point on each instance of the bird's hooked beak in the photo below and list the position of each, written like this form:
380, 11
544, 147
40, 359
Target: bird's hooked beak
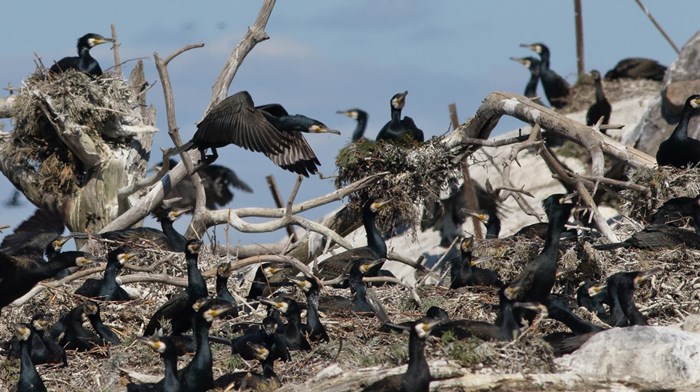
349, 113
467, 244
303, 284
695, 102
521, 60
261, 352
644, 276
155, 344
224, 269
84, 260
279, 305
176, 213
399, 100
536, 306
22, 331
378, 204
597, 289
59, 242
320, 128
423, 328
534, 47
368, 266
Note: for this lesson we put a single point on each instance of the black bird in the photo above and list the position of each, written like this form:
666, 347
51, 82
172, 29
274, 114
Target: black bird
555, 87
674, 211
679, 150
217, 181
506, 326
535, 281
313, 327
620, 291
223, 273
533, 65
601, 107
398, 128
268, 129
44, 349
197, 375
361, 117
463, 274
179, 308
637, 68
293, 336
107, 288
39, 236
84, 62
341, 263
592, 297
417, 376
243, 381
92, 311
266, 335
29, 378
267, 276
167, 350
19, 275
167, 239
72, 335
662, 236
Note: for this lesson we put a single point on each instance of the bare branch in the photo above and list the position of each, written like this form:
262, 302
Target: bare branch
115, 46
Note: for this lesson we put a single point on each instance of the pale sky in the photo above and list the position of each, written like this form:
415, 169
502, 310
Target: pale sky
324, 56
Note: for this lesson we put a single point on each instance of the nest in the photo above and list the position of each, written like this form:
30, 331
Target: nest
75, 98
417, 175
665, 183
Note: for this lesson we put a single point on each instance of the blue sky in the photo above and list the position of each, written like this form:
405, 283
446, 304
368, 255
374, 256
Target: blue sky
323, 56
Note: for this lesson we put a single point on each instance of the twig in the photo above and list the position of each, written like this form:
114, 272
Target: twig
658, 27
115, 49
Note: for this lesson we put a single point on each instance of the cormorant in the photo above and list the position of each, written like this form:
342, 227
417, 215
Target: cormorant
535, 281
167, 239
506, 326
268, 129
29, 378
555, 87
167, 350
179, 308
268, 275
620, 291
293, 337
341, 263
361, 117
533, 65
417, 376
19, 275
217, 181
72, 335
662, 236
39, 236
223, 272
84, 62
637, 68
266, 334
107, 288
313, 327
679, 150
197, 375
674, 211
601, 107
92, 311
398, 128
44, 349
267, 381
463, 274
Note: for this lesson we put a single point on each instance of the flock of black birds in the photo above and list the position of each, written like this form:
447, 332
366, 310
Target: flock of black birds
27, 259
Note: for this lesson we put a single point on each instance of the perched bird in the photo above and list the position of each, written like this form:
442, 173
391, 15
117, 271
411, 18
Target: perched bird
179, 308
662, 236
679, 150
506, 326
268, 129
533, 65
619, 289
165, 347
555, 87
398, 128
601, 107
417, 376
462, 273
535, 281
293, 336
340, 264
44, 349
313, 327
266, 335
223, 273
217, 181
72, 335
39, 236
267, 276
166, 239
361, 117
29, 378
197, 374
92, 311
84, 62
637, 68
244, 381
107, 288
19, 275
674, 211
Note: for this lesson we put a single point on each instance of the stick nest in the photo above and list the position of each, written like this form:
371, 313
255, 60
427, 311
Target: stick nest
417, 175
92, 103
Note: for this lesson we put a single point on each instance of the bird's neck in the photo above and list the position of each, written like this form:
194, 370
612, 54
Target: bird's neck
176, 240
531, 86
359, 129
221, 284
374, 238
681, 130
395, 116
493, 226
359, 293
195, 286
417, 363
312, 317
509, 325
27, 370
599, 94
170, 380
576, 324
203, 355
